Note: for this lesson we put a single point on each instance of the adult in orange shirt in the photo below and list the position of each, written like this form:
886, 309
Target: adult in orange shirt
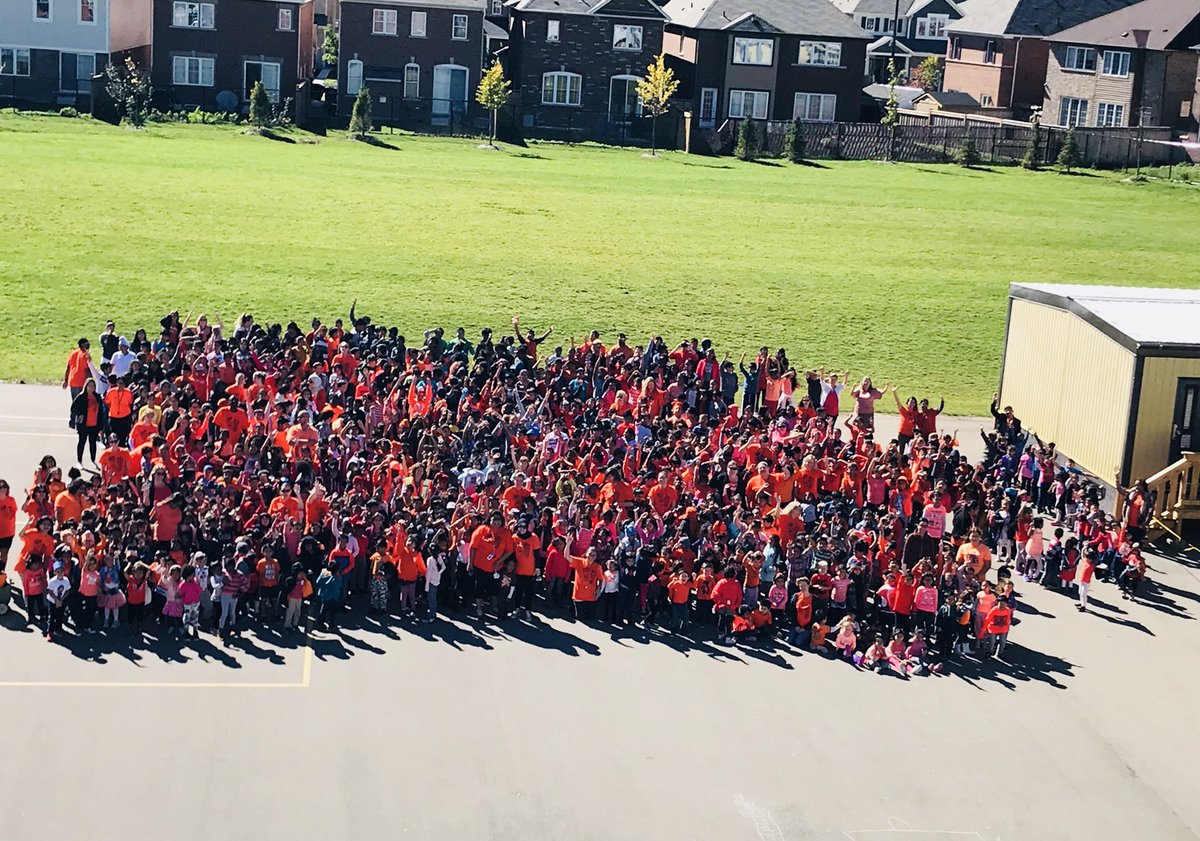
119, 402
975, 555
114, 461
525, 547
489, 548
77, 372
616, 491
589, 573
301, 438
232, 418
68, 505
662, 495
8, 522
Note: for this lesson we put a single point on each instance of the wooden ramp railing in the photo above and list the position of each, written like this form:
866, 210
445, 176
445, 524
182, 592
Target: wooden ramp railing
1174, 496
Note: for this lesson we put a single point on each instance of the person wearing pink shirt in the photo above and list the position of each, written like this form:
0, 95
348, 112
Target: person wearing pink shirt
925, 604
189, 593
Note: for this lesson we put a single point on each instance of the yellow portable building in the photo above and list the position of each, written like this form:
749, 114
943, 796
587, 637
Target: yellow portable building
1111, 374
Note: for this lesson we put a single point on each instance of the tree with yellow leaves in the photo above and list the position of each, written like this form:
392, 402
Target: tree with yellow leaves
655, 90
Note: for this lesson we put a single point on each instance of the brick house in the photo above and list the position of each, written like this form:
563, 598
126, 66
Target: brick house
209, 54
421, 59
766, 59
51, 49
997, 51
1106, 70
920, 32
575, 63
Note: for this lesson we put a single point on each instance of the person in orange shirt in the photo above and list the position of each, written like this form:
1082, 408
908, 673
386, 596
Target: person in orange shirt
8, 522
525, 547
679, 591
119, 402
409, 567
77, 372
490, 546
68, 505
232, 418
301, 439
589, 573
114, 461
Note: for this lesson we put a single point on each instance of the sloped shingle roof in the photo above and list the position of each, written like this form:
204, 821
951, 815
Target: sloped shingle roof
1030, 17
1164, 22
793, 17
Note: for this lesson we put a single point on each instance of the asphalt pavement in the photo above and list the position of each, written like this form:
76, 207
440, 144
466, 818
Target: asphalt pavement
554, 729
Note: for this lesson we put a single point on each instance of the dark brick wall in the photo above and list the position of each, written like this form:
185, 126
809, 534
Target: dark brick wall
386, 55
245, 30
585, 46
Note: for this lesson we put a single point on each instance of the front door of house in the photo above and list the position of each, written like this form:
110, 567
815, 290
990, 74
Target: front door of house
449, 90
266, 72
1185, 431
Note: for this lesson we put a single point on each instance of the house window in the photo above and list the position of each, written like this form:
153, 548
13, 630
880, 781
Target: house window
623, 100
871, 24
1072, 112
266, 72
551, 30
285, 20
1080, 58
989, 53
561, 88
1110, 114
458, 27
815, 107
821, 52
193, 15
985, 100
956, 48
708, 107
753, 51
383, 22
354, 76
416, 27
412, 81
1116, 63
627, 37
932, 26
76, 71
752, 104
192, 71
497, 8
87, 11
14, 61
41, 9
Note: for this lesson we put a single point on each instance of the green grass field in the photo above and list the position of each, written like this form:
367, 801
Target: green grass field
896, 271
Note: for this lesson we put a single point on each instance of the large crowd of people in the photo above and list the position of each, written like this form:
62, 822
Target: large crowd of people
278, 474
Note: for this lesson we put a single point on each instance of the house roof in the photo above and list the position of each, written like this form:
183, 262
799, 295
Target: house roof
572, 7
469, 5
1138, 317
1174, 24
949, 98
871, 7
1029, 17
904, 95
792, 17
884, 45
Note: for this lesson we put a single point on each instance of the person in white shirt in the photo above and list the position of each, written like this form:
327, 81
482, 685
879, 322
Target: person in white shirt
122, 360
57, 589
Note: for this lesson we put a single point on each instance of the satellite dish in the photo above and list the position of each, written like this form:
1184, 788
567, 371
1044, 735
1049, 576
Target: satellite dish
227, 101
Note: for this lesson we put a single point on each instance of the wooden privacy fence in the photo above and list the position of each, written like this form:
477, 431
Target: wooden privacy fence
999, 142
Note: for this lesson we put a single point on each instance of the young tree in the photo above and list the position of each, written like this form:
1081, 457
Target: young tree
260, 106
360, 115
655, 90
130, 90
493, 93
746, 148
967, 153
329, 46
1033, 155
1068, 155
795, 144
891, 113
929, 74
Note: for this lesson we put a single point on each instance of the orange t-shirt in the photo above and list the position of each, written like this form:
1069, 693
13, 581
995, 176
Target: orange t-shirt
8, 517
77, 368
524, 549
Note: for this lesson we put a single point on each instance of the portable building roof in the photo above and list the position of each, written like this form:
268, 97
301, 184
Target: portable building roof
1147, 321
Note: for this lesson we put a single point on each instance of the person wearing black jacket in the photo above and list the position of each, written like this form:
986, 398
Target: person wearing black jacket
1007, 423
87, 419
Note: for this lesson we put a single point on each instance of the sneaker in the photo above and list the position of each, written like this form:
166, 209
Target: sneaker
49, 638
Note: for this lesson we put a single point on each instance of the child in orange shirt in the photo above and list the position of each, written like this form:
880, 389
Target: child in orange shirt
678, 592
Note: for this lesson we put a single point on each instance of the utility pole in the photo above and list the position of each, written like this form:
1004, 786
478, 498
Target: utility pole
895, 26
